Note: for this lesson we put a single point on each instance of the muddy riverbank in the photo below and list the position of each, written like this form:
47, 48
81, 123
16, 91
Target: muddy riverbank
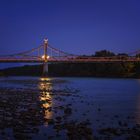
69, 108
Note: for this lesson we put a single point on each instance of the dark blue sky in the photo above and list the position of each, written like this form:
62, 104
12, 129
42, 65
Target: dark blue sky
74, 26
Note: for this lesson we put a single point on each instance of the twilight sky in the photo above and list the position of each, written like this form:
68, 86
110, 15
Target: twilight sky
74, 26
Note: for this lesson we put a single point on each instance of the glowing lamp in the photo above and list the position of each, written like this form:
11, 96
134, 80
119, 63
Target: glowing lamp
43, 56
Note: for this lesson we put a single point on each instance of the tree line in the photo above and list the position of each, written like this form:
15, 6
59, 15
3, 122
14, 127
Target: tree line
107, 53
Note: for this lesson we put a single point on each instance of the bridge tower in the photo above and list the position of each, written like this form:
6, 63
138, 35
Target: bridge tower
45, 57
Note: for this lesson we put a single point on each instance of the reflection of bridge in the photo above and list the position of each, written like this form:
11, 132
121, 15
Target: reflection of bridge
46, 53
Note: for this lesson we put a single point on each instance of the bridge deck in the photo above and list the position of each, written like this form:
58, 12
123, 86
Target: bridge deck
69, 60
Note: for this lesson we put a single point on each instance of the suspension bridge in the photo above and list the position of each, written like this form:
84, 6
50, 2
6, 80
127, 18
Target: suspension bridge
46, 53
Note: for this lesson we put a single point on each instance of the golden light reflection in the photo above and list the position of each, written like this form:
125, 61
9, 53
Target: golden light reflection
44, 79
45, 87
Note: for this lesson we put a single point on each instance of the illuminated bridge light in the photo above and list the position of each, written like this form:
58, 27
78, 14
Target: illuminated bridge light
43, 57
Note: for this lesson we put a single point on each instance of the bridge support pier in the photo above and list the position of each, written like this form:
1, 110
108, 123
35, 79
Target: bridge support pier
45, 69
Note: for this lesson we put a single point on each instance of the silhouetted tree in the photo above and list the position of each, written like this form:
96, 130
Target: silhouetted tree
122, 54
104, 53
138, 55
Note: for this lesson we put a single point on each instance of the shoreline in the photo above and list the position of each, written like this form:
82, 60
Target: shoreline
99, 77
123, 70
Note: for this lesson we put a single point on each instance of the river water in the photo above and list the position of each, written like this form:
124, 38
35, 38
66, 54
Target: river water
69, 108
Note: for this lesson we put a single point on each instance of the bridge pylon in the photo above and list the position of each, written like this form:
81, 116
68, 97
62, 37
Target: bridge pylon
45, 57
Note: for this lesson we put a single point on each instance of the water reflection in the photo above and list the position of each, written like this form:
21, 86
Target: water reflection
138, 108
45, 85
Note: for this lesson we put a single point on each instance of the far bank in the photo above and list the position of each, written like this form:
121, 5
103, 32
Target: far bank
116, 70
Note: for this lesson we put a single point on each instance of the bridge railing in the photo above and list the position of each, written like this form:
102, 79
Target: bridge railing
69, 59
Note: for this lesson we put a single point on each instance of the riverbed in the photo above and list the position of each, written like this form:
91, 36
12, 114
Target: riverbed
69, 108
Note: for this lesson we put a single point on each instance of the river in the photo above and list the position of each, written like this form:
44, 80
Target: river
69, 108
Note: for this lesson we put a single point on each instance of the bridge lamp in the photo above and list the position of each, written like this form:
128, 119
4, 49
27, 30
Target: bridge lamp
43, 57
45, 40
